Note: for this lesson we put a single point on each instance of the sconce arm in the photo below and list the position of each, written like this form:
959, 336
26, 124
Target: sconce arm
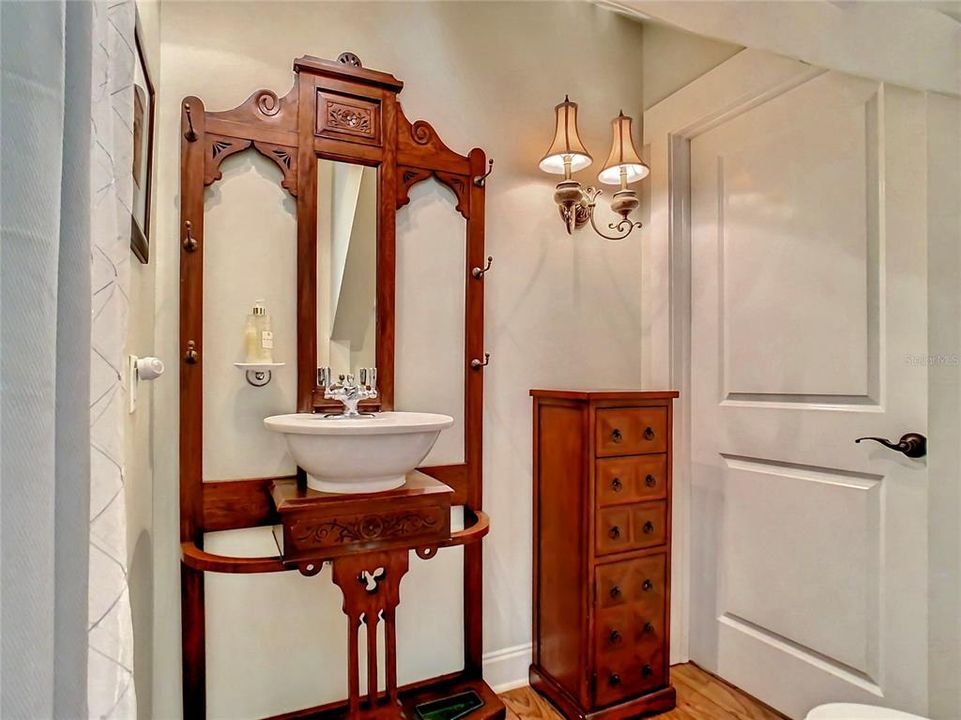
624, 227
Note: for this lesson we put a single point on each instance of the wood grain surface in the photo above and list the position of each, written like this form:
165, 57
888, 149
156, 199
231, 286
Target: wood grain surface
700, 696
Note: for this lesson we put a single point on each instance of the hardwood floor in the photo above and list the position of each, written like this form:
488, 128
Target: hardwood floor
700, 696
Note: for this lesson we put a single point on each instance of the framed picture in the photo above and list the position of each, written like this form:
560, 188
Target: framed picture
143, 131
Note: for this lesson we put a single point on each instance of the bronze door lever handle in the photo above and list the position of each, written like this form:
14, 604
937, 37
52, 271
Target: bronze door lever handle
913, 445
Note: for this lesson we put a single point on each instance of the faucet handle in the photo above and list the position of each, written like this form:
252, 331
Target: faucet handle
368, 378
323, 377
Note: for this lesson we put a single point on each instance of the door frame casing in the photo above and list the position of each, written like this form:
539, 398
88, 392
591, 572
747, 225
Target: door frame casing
742, 82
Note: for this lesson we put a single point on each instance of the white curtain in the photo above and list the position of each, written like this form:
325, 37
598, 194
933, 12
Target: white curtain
65, 186
110, 670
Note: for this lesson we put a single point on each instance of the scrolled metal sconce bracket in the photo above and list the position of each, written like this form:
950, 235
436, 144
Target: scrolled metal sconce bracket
625, 226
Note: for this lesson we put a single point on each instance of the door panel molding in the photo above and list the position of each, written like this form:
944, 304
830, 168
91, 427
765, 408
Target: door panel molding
807, 655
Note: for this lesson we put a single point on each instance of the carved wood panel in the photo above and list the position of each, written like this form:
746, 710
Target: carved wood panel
457, 184
219, 148
340, 115
286, 159
371, 587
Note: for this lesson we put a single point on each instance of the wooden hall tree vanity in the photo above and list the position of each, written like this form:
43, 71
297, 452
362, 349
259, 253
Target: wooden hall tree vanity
336, 111
602, 552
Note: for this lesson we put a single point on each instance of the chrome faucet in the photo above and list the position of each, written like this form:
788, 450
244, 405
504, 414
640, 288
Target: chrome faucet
349, 392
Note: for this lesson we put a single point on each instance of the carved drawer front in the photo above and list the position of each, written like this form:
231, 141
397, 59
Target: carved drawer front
628, 628
310, 535
630, 527
622, 675
639, 583
630, 431
348, 117
613, 530
323, 526
630, 479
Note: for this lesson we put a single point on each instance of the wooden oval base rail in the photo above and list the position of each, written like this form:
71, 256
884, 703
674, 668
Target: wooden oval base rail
199, 559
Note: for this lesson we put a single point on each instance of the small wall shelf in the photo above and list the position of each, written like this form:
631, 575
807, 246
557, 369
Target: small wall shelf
258, 374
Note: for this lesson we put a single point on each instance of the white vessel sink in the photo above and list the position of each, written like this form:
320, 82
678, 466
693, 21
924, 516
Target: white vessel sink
359, 455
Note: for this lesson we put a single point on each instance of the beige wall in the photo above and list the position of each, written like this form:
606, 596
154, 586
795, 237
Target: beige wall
561, 311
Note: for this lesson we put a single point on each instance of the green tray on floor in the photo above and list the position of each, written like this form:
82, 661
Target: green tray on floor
449, 708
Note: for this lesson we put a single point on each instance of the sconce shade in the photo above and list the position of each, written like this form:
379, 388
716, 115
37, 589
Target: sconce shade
566, 143
623, 155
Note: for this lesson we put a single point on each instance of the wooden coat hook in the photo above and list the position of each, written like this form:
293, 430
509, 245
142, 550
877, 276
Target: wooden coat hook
481, 180
191, 355
191, 134
476, 364
190, 242
478, 273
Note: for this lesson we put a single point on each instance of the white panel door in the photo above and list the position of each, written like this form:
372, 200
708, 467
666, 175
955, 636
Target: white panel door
808, 324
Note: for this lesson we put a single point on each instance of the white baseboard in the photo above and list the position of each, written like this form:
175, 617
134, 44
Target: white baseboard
506, 669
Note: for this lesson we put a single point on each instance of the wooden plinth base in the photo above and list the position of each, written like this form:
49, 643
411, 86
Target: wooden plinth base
411, 696
652, 703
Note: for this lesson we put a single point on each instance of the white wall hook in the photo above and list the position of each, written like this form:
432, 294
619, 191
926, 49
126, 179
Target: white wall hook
140, 368
149, 368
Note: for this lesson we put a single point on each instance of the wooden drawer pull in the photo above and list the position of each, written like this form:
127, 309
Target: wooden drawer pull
647, 671
614, 532
648, 627
647, 585
614, 680
650, 481
648, 527
617, 485
616, 435
615, 591
615, 637
649, 433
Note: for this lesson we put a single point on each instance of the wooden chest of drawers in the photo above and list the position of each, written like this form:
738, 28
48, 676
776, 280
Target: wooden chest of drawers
602, 552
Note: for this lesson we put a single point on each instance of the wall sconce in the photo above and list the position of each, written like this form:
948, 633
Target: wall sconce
567, 155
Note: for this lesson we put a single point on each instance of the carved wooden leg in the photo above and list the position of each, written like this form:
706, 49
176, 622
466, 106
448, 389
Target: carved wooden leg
370, 583
390, 635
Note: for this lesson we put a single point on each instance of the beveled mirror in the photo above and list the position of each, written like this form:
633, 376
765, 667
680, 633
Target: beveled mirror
346, 266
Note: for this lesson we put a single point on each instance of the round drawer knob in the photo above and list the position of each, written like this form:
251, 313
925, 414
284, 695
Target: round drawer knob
616, 435
614, 532
615, 636
615, 591
647, 671
647, 585
648, 627
614, 680
649, 433
617, 485
648, 527
650, 481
